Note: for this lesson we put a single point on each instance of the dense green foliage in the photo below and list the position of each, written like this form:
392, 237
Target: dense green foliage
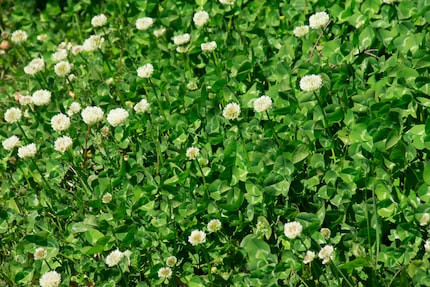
351, 156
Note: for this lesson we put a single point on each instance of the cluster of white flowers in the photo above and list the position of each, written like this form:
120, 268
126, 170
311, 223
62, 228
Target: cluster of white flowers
165, 272
227, 2
59, 55
311, 83
159, 32
231, 111
144, 23
42, 37
209, 46
93, 43
293, 229
214, 225
262, 104
309, 257
50, 279
12, 115
192, 153
114, 258
171, 261
36, 65
76, 49
99, 20
197, 237
200, 18
117, 117
92, 115
192, 85
60, 122
425, 219
41, 97
25, 100
318, 20
326, 254
19, 36
181, 39
301, 31
40, 253
107, 197
63, 143
142, 106
10, 143
145, 71
325, 232
74, 109
27, 151
62, 68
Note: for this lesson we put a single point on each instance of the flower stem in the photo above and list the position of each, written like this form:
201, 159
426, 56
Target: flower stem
203, 177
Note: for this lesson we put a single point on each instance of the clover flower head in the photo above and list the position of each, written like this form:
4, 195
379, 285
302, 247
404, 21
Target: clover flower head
50, 279
192, 153
293, 229
165, 272
319, 20
231, 111
12, 115
301, 31
209, 46
326, 254
10, 143
200, 18
197, 237
19, 36
144, 23
99, 20
311, 83
181, 39
262, 104
114, 258
214, 225
92, 115
41, 97
27, 151
145, 71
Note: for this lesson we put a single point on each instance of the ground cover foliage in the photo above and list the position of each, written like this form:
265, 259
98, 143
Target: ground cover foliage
323, 184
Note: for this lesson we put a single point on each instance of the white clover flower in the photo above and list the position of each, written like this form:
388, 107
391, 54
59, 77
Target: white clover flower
181, 39
27, 151
160, 32
19, 36
144, 23
293, 229
325, 232
10, 143
425, 218
200, 18
427, 245
262, 104
25, 100
42, 37
326, 254
109, 81
192, 153
318, 20
165, 272
92, 115
227, 2
214, 225
192, 86
40, 253
209, 46
93, 43
181, 49
107, 197
114, 258
197, 237
74, 109
145, 71
309, 257
76, 49
117, 117
171, 261
99, 20
311, 83
41, 97
71, 77
301, 31
142, 106
62, 68
50, 279
12, 115
60, 122
36, 65
63, 143
59, 55
231, 111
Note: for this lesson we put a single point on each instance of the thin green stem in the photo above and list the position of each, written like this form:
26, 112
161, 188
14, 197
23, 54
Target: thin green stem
341, 273
157, 99
203, 177
243, 145
41, 174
